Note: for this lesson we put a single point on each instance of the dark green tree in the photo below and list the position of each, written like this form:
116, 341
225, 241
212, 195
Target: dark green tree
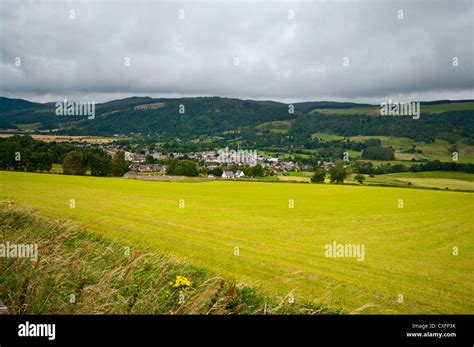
319, 175
338, 173
40, 161
254, 171
150, 160
217, 171
74, 163
359, 178
378, 153
100, 164
182, 168
119, 165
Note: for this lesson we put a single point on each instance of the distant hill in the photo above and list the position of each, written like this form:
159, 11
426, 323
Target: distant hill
310, 105
7, 104
188, 117
123, 103
183, 116
439, 102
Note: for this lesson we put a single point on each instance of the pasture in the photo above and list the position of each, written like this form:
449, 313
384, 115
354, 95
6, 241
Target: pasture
273, 235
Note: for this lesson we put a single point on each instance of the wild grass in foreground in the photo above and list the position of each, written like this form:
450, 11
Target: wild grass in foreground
82, 273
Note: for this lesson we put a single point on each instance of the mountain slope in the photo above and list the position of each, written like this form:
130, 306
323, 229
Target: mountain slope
214, 116
185, 116
7, 104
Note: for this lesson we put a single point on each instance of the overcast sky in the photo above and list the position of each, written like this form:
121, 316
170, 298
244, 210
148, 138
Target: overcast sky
281, 57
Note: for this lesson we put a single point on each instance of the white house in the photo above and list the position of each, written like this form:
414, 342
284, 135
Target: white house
227, 174
239, 174
128, 156
135, 157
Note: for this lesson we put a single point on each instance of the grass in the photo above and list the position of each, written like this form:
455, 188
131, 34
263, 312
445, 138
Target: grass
391, 162
81, 273
294, 178
326, 136
300, 173
282, 250
438, 150
429, 179
31, 126
440, 183
375, 111
57, 168
280, 126
388, 141
279, 131
435, 174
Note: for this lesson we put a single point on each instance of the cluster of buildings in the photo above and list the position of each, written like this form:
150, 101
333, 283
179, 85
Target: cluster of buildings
231, 174
210, 160
140, 157
161, 168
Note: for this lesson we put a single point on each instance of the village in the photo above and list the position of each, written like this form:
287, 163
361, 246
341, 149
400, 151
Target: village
231, 162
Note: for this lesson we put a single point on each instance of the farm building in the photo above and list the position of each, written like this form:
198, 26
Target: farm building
228, 174
148, 167
239, 174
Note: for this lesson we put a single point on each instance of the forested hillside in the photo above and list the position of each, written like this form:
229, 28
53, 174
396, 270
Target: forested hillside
214, 116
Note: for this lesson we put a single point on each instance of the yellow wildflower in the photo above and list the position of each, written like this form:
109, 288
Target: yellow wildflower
181, 281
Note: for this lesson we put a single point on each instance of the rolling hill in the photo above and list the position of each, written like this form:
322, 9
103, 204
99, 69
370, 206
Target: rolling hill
189, 117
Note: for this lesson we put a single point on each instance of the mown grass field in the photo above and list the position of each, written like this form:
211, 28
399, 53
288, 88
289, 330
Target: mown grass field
428, 179
104, 278
408, 250
464, 176
438, 150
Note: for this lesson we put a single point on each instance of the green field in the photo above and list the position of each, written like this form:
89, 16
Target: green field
429, 179
31, 126
388, 141
437, 150
326, 136
375, 111
279, 126
408, 250
56, 168
435, 174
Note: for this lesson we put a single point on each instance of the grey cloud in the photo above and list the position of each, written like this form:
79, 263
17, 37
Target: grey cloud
280, 59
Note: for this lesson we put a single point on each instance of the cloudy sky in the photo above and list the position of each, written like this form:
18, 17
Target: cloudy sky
280, 50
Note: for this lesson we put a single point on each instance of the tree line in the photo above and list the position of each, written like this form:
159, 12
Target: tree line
96, 162
23, 153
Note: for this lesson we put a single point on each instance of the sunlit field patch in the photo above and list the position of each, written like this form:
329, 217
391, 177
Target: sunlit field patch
408, 235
